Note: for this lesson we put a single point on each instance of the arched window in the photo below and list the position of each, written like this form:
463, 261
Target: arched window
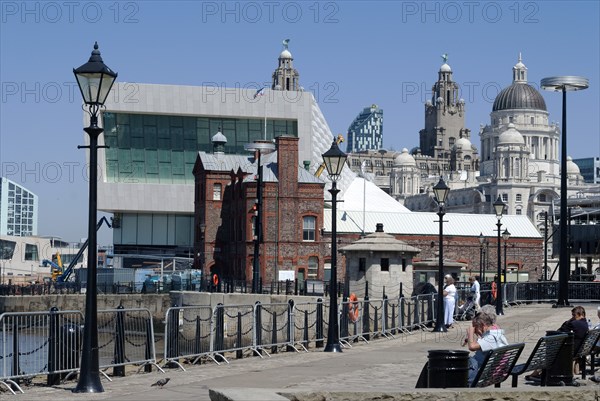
217, 188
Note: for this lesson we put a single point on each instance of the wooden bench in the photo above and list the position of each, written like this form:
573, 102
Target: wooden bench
542, 357
497, 365
587, 348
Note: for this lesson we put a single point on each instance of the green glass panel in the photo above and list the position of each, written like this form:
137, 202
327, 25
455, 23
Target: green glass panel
149, 119
164, 156
150, 137
123, 136
163, 126
151, 161
164, 173
125, 161
177, 163
138, 155
176, 138
137, 143
137, 126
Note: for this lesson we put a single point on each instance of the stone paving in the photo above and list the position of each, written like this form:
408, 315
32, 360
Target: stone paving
367, 371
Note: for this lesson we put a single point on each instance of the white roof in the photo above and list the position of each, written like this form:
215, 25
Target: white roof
421, 223
375, 200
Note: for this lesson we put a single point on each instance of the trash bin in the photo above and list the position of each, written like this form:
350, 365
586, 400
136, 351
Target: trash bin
447, 368
561, 371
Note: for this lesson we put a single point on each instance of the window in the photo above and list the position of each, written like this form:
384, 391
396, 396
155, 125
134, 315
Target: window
313, 267
31, 252
403, 264
385, 264
542, 198
510, 119
532, 120
362, 264
308, 228
519, 198
504, 198
217, 191
518, 211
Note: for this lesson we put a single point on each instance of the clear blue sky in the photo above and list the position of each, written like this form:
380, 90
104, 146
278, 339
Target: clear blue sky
349, 53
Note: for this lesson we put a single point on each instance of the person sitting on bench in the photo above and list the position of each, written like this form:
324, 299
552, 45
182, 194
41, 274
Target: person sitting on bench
482, 336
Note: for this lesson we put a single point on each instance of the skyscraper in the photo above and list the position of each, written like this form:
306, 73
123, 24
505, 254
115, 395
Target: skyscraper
366, 131
18, 209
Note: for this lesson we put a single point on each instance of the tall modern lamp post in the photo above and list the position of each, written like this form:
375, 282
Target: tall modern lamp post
499, 210
334, 160
258, 147
440, 191
481, 240
564, 84
95, 80
506, 237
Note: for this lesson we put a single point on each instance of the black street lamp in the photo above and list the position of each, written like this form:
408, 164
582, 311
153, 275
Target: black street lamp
440, 191
564, 84
481, 241
499, 210
95, 80
506, 237
334, 160
258, 147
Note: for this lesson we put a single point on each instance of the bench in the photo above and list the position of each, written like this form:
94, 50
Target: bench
587, 348
497, 365
542, 357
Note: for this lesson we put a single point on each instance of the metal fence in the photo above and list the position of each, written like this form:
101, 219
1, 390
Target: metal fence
48, 343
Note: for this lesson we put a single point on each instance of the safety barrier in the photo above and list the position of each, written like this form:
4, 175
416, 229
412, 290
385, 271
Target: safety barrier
126, 337
39, 343
274, 326
188, 334
308, 324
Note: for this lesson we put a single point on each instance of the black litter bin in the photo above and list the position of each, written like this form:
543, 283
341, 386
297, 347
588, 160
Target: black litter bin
448, 368
561, 371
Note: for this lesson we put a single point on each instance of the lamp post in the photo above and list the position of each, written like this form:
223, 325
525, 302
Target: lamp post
506, 237
95, 80
499, 210
564, 84
334, 160
481, 240
258, 147
440, 191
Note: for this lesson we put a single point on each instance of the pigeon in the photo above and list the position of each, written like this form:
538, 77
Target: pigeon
161, 382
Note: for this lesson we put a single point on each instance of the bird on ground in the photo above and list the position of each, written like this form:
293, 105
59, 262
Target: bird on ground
161, 383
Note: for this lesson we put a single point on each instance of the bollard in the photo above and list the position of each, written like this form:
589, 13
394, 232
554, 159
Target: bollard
305, 342
258, 326
274, 334
366, 320
219, 331
447, 368
198, 338
238, 353
344, 318
319, 324
561, 371
16, 370
173, 337
53, 378
290, 326
148, 346
119, 351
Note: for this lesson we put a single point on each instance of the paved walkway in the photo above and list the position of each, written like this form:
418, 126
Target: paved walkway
381, 366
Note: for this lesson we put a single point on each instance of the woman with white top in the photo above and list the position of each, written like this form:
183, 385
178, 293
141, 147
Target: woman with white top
475, 291
449, 301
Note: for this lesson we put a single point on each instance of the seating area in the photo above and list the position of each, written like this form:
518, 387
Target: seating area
500, 363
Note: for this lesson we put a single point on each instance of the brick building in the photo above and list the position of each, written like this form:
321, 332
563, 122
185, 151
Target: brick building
225, 194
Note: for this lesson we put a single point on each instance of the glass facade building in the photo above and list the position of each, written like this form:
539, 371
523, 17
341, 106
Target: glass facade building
589, 168
159, 149
18, 209
366, 131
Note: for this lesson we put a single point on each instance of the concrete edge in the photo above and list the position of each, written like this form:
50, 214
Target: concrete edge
478, 394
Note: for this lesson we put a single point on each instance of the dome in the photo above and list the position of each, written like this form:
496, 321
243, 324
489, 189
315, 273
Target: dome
219, 138
511, 136
572, 168
445, 68
404, 159
463, 143
285, 54
519, 96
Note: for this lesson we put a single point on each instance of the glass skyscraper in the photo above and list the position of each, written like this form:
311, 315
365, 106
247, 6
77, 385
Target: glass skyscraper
18, 209
366, 131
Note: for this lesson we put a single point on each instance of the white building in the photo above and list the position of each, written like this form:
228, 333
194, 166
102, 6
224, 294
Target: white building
18, 209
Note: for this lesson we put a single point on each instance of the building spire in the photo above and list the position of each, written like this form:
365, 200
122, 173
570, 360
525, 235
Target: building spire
286, 77
520, 71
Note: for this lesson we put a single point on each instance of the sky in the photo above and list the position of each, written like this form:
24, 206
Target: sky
350, 54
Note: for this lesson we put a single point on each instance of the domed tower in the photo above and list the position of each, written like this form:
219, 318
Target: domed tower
286, 77
405, 177
574, 176
512, 156
444, 121
522, 105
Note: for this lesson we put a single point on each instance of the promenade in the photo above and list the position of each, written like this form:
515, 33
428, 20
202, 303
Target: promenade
382, 369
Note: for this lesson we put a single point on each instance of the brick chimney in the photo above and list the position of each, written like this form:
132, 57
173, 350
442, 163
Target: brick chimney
287, 165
